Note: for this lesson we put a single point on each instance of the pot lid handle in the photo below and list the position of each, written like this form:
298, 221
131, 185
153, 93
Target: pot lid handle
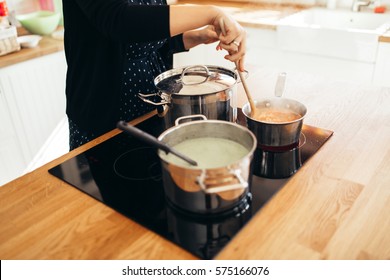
195, 66
144, 98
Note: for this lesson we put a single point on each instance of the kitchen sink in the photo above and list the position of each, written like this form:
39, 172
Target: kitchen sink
334, 33
339, 19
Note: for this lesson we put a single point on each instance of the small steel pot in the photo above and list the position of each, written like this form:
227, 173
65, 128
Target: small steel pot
276, 164
213, 190
199, 89
278, 134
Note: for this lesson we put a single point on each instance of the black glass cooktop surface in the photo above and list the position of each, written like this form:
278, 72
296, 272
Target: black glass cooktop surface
125, 174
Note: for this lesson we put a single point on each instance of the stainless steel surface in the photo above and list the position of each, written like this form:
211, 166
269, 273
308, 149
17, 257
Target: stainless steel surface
280, 84
276, 134
213, 190
276, 164
358, 4
199, 89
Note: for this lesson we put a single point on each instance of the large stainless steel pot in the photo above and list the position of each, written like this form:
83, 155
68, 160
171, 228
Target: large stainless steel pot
211, 190
199, 89
276, 134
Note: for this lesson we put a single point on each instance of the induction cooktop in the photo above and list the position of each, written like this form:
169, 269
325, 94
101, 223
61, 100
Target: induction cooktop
125, 174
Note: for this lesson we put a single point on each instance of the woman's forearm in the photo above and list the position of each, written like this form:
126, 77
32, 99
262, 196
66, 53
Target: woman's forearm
187, 17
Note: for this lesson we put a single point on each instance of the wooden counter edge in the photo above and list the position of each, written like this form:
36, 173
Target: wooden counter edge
385, 38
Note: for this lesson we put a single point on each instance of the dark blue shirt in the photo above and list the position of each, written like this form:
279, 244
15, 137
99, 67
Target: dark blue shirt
100, 36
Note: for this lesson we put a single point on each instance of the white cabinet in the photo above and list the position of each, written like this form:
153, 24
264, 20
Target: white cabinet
33, 99
382, 69
261, 44
332, 68
202, 55
264, 50
11, 156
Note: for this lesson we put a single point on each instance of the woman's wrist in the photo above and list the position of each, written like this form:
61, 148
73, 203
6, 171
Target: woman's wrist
205, 35
190, 39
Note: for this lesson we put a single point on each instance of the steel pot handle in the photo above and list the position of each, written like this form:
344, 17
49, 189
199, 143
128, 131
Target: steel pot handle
237, 173
246, 75
177, 121
194, 66
144, 98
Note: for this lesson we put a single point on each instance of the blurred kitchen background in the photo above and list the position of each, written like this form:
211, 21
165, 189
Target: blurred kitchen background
27, 6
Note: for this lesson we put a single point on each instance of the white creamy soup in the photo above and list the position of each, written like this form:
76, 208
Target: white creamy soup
208, 152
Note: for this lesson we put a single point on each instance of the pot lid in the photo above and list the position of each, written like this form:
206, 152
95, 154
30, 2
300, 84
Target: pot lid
196, 80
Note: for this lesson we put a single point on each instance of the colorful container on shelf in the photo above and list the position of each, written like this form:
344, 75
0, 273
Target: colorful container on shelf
46, 5
52, 5
41, 22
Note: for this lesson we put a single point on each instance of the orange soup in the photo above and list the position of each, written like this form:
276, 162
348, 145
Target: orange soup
273, 115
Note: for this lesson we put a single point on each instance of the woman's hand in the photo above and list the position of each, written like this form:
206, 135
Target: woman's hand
205, 35
187, 18
233, 39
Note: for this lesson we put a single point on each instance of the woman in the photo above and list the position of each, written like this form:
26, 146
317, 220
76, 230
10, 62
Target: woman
115, 49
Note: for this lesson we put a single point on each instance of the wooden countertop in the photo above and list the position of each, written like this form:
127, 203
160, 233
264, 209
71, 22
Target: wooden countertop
336, 207
252, 14
262, 15
46, 46
385, 38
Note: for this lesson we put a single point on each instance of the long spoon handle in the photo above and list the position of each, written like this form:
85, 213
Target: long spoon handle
248, 95
150, 139
242, 78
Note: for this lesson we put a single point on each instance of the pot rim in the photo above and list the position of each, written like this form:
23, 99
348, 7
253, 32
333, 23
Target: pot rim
179, 71
246, 109
196, 122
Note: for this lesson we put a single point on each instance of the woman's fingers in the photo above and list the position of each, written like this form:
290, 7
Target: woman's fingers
232, 39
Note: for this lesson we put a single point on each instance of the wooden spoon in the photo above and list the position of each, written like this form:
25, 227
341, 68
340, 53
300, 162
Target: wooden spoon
242, 78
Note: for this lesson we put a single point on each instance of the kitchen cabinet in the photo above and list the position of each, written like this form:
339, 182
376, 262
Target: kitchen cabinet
264, 50
382, 68
202, 55
33, 99
333, 68
11, 156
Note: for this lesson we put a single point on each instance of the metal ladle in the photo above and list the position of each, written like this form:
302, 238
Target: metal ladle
280, 84
150, 139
